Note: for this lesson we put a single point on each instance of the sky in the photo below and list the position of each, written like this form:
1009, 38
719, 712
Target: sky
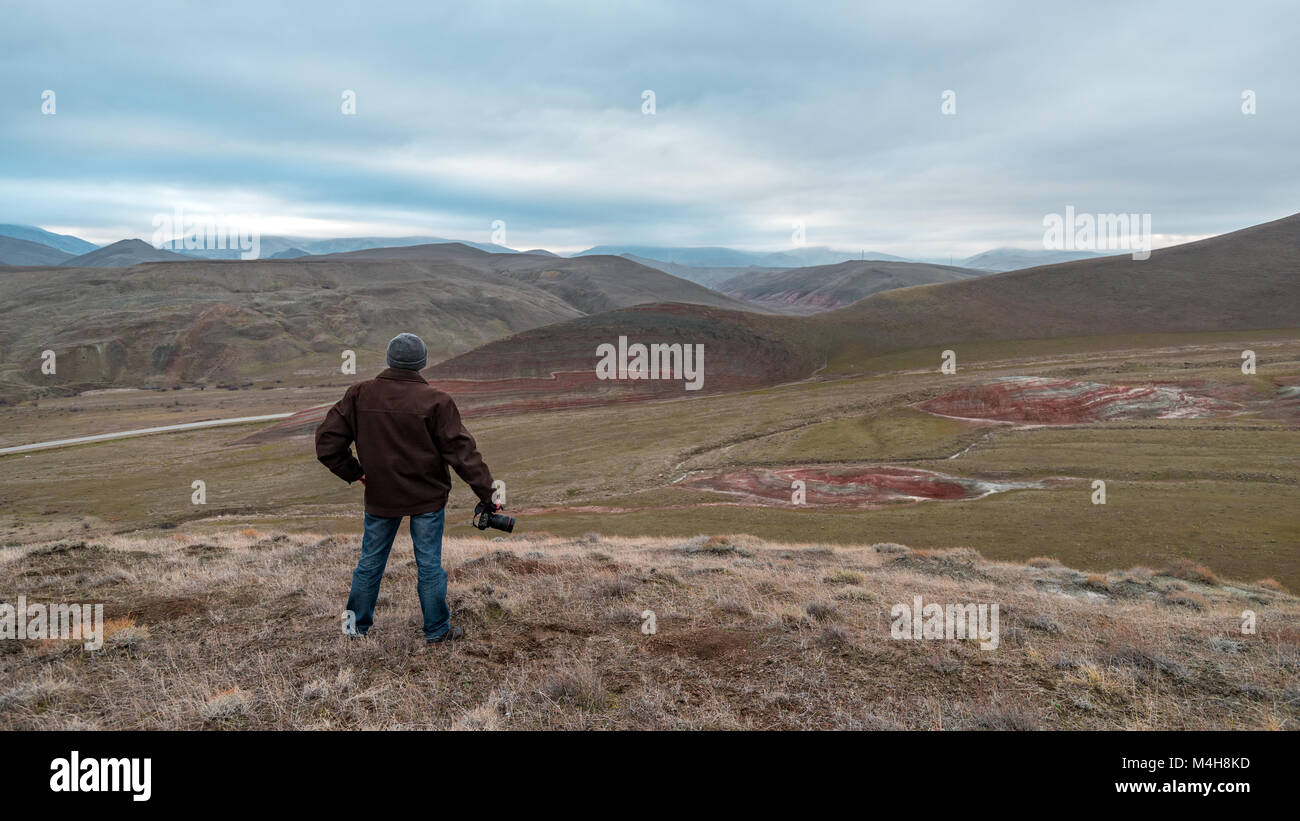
766, 116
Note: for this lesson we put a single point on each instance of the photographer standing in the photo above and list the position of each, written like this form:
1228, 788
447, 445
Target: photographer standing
407, 432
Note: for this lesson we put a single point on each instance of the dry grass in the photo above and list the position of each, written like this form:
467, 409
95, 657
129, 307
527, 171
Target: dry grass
241, 629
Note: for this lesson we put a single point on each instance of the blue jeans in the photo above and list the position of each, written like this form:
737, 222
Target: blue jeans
431, 579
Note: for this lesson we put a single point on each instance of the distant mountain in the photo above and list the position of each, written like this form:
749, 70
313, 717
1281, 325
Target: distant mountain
721, 257
289, 253
271, 246
826, 287
1013, 259
602, 283
439, 251
22, 252
122, 254
64, 242
542, 252
709, 277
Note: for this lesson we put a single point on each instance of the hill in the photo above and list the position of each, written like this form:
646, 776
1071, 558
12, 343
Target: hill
709, 277
554, 366
203, 321
721, 257
1244, 280
123, 254
590, 283
826, 287
274, 247
1247, 279
23, 252
1011, 259
67, 243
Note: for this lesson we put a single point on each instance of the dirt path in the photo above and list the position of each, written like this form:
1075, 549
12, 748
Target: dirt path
104, 437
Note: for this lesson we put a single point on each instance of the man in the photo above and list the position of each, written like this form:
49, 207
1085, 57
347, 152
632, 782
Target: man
407, 432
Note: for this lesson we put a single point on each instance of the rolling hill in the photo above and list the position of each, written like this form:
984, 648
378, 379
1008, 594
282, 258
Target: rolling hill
123, 254
721, 257
1012, 259
590, 283
1247, 279
24, 252
218, 322
826, 287
709, 277
70, 245
554, 366
275, 247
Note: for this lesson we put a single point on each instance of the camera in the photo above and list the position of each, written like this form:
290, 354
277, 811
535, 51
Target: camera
484, 518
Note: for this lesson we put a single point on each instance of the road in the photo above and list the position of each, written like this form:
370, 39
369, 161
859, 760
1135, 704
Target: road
104, 437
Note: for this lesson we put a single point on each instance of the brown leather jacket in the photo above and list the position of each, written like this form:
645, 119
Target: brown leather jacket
407, 432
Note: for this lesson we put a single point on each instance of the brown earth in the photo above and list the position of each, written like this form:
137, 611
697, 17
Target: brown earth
727, 632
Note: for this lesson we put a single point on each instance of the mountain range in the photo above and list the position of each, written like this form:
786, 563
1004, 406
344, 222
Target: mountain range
707, 265
513, 315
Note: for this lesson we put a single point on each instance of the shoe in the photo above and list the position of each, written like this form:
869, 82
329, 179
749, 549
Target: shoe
454, 632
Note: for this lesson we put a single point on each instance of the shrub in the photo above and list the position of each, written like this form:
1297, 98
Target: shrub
844, 577
578, 684
822, 611
1190, 571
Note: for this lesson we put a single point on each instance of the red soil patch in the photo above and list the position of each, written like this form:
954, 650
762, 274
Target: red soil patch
851, 485
1038, 400
1286, 403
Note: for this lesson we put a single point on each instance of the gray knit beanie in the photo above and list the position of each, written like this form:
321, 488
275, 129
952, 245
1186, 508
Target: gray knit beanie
407, 351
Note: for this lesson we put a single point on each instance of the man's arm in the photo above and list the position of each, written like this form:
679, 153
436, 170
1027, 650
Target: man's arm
459, 450
334, 437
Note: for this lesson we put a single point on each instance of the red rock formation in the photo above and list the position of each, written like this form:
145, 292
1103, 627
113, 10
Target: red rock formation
1042, 401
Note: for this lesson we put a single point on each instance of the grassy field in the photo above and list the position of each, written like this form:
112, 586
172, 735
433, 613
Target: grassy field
1218, 491
239, 629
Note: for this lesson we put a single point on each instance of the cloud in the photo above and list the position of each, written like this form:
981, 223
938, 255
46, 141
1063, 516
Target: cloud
766, 114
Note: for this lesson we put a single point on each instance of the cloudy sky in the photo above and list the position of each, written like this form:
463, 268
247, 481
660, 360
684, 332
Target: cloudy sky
766, 114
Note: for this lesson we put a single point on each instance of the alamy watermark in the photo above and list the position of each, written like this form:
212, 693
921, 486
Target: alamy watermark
178, 231
935, 621
77, 774
70, 622
1098, 232
654, 361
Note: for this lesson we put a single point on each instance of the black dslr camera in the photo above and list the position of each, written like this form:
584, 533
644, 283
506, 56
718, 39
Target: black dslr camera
484, 518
